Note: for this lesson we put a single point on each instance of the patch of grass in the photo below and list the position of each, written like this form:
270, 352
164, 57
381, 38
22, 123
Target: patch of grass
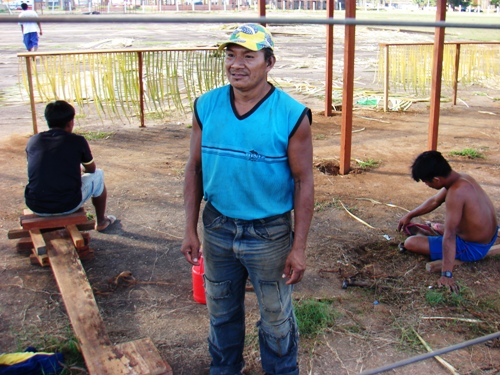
319, 137
314, 316
442, 296
368, 163
409, 338
154, 116
90, 216
470, 153
323, 205
94, 135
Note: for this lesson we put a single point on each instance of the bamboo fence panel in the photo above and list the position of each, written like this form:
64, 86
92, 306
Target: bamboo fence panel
124, 83
409, 66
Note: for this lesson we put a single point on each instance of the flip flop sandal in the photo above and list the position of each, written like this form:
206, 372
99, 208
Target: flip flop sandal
438, 228
110, 219
413, 229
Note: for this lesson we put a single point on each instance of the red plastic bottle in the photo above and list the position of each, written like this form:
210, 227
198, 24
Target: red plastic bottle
198, 288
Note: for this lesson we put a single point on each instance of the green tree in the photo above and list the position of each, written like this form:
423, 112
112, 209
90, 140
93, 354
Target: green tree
462, 3
424, 3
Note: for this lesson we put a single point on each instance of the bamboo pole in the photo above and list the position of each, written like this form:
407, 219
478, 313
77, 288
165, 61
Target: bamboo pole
386, 78
348, 89
141, 87
437, 72
32, 94
329, 60
455, 73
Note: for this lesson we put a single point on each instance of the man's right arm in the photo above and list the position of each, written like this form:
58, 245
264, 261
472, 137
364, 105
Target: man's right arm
429, 205
193, 194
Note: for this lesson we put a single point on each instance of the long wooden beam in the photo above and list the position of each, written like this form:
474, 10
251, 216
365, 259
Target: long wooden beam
329, 60
437, 72
348, 90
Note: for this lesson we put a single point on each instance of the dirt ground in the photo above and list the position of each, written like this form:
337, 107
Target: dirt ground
144, 176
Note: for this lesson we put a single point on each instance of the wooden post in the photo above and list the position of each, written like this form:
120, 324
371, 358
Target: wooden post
32, 94
141, 87
437, 71
386, 77
455, 72
329, 59
348, 88
262, 10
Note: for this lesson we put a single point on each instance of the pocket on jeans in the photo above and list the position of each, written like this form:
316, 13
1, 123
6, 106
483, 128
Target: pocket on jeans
279, 339
217, 290
274, 230
212, 220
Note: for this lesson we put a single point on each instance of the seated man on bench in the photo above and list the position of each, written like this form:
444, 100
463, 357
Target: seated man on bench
470, 228
56, 160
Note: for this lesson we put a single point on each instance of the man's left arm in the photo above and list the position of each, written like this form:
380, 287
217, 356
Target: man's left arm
300, 159
454, 211
89, 168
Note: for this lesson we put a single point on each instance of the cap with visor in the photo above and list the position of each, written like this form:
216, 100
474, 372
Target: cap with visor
252, 36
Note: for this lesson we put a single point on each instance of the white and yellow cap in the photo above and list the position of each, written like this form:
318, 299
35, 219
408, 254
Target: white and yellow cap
252, 36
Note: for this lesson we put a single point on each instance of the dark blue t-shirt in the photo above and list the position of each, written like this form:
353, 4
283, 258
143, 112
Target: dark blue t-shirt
54, 171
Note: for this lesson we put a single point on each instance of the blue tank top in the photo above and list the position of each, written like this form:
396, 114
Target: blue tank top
246, 174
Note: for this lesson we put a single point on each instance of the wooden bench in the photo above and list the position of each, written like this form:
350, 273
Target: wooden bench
58, 242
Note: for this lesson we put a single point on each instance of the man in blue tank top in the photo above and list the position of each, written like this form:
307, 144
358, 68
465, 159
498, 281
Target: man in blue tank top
251, 161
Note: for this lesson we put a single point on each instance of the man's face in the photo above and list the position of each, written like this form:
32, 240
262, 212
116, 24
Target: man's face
245, 69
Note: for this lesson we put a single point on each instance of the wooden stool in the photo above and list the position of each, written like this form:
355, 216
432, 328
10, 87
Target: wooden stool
34, 227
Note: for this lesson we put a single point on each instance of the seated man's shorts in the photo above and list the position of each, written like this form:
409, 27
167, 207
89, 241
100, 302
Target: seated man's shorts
30, 40
466, 251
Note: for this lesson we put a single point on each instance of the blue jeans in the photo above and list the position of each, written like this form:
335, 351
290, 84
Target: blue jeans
234, 250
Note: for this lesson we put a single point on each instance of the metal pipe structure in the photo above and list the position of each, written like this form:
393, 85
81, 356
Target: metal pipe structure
261, 20
432, 354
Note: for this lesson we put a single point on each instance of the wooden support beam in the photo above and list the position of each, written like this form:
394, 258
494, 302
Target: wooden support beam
437, 73
39, 260
348, 90
76, 236
329, 60
39, 246
14, 234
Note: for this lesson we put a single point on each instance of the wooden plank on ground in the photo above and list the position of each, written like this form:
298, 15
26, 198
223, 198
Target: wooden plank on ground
42, 222
101, 357
81, 306
144, 357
